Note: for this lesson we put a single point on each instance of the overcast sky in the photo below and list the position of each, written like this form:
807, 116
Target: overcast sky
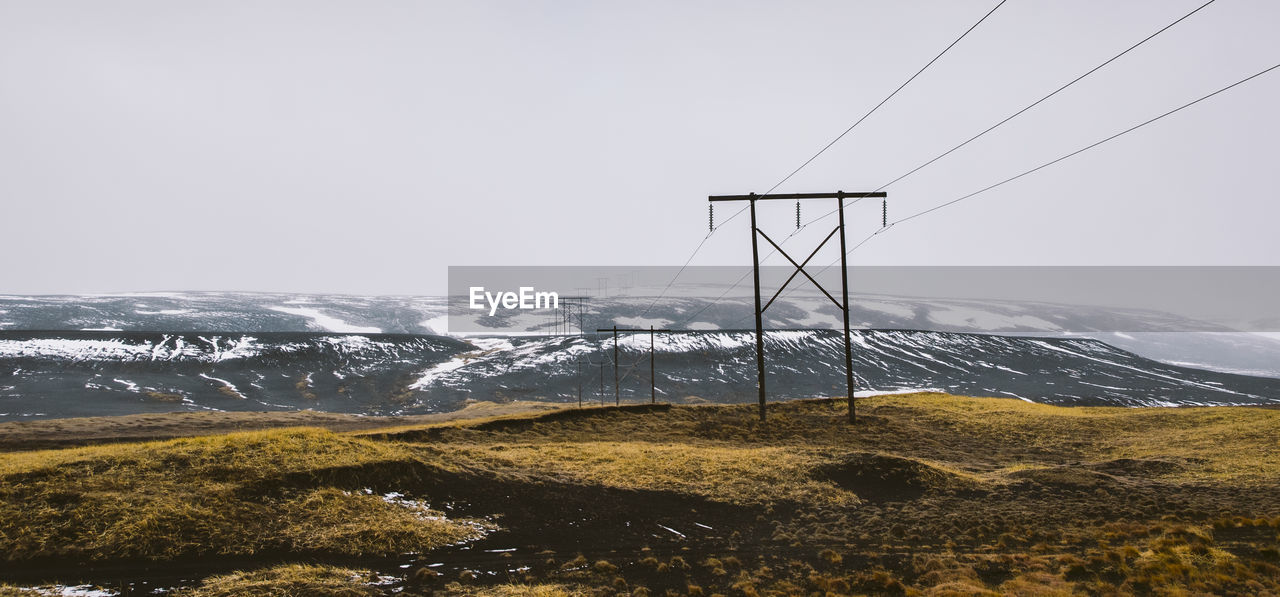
363, 147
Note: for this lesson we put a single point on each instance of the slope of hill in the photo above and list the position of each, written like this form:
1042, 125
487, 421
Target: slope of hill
926, 494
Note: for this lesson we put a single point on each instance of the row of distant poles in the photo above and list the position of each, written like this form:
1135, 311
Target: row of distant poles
572, 309
617, 379
575, 308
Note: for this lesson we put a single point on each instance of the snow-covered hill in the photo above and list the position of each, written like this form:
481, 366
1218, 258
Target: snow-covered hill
103, 372
1151, 334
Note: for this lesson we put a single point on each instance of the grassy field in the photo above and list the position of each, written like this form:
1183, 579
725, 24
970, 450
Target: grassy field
927, 494
60, 433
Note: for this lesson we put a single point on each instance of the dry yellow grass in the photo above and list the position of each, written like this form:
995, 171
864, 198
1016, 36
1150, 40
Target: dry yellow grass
80, 431
289, 581
734, 475
963, 434
927, 494
518, 590
235, 494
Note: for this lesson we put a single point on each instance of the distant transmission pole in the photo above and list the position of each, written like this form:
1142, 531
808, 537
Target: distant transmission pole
601, 372
653, 385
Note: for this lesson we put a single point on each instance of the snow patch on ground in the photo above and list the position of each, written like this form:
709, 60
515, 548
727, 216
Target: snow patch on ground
887, 308
641, 322
130, 386
73, 591
986, 320
871, 393
437, 325
72, 349
1211, 367
326, 322
164, 312
485, 347
230, 386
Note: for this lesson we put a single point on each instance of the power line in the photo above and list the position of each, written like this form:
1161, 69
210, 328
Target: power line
1051, 94
1053, 161
824, 149
974, 138
1031, 105
886, 99
1042, 166
1085, 148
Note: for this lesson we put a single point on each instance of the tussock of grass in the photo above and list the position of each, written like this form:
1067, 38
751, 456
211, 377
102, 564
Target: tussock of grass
8, 591
289, 581
518, 590
886, 476
732, 475
237, 494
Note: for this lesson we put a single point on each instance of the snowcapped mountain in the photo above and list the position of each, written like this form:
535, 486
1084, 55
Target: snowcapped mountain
225, 312
104, 373
1155, 335
155, 352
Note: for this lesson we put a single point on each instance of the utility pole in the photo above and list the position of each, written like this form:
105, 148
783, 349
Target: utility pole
617, 399
844, 296
561, 318
755, 272
601, 371
843, 304
653, 384
653, 381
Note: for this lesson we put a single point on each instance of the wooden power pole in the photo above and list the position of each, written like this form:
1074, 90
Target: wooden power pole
843, 304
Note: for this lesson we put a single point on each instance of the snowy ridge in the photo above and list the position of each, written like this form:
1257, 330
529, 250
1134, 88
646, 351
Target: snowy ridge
720, 366
98, 373
1167, 338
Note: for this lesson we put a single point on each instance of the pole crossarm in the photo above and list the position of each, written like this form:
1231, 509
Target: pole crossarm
645, 330
799, 268
794, 196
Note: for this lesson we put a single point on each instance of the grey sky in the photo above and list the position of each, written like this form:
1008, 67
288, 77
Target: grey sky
362, 147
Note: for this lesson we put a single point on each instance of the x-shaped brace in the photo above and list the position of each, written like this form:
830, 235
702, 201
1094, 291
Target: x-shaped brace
800, 269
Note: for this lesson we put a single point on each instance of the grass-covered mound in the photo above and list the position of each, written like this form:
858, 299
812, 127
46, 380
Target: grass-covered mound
926, 494
289, 581
288, 491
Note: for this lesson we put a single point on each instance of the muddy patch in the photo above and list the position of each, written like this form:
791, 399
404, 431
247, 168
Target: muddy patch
1066, 477
1137, 467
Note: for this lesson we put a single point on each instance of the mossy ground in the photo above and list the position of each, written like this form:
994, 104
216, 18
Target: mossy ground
286, 491
926, 494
